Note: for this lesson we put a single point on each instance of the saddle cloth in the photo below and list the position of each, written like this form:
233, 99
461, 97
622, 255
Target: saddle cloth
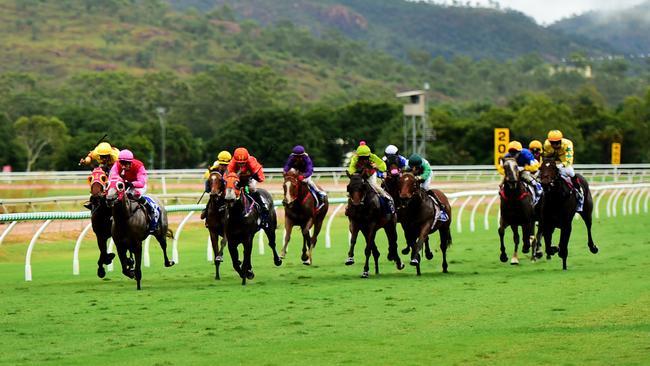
155, 210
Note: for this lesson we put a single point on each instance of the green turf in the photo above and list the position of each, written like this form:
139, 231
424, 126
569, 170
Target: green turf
483, 312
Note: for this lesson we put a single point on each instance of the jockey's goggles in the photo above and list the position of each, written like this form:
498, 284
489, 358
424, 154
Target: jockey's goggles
104, 156
536, 150
556, 143
124, 162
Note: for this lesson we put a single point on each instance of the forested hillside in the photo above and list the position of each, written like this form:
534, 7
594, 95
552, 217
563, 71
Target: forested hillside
625, 30
74, 70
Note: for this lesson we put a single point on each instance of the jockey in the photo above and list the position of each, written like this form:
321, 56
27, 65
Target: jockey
364, 159
561, 149
301, 162
105, 156
220, 166
527, 165
420, 168
246, 166
391, 153
536, 148
134, 174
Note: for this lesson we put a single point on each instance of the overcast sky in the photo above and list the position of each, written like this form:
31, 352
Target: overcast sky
549, 11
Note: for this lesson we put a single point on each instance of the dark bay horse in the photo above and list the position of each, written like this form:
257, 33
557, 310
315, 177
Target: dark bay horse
516, 210
100, 217
131, 227
241, 223
215, 216
558, 207
421, 217
365, 214
300, 208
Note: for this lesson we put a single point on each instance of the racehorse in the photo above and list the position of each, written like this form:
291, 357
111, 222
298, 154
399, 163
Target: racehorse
558, 207
131, 227
517, 209
422, 216
214, 219
100, 217
300, 208
242, 221
366, 214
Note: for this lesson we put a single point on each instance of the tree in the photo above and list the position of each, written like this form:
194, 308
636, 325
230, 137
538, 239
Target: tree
36, 132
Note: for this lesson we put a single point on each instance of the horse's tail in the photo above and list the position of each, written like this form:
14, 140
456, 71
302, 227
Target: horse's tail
169, 234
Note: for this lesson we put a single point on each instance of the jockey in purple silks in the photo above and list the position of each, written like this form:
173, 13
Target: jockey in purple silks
301, 162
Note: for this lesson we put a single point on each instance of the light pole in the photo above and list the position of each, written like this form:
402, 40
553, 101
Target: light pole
161, 118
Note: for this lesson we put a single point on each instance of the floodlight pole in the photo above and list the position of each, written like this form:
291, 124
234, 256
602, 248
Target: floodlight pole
161, 118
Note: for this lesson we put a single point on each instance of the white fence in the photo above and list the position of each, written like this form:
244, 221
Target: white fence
633, 202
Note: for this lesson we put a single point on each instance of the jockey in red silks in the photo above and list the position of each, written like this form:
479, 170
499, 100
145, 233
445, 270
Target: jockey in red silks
134, 174
251, 171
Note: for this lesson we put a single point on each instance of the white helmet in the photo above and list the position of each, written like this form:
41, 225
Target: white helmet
391, 150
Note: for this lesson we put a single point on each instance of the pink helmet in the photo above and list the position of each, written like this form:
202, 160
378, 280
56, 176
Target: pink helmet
125, 155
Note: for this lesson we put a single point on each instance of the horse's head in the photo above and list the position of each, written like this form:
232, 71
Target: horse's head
408, 185
115, 190
216, 184
232, 188
548, 173
357, 189
291, 186
98, 182
511, 171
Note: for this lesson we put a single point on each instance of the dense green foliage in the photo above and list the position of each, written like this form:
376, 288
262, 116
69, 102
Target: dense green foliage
483, 312
105, 67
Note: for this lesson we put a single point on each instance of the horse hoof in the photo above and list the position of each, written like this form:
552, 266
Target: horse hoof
414, 262
218, 258
169, 264
306, 263
304, 258
108, 259
514, 261
525, 249
101, 272
129, 262
390, 257
593, 249
129, 273
503, 258
428, 255
250, 275
278, 262
400, 266
539, 255
554, 250
364, 275
406, 250
349, 261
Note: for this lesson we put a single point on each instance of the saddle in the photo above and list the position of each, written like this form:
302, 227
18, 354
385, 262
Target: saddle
440, 213
153, 212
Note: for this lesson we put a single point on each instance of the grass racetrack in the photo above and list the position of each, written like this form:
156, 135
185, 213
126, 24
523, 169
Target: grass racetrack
483, 312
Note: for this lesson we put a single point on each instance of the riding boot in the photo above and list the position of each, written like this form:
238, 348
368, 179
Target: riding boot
579, 194
143, 201
264, 211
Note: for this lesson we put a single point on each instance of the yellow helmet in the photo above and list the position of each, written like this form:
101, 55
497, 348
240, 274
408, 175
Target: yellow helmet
535, 144
363, 150
514, 145
554, 135
224, 158
104, 148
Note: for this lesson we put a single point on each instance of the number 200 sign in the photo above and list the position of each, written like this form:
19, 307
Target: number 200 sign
501, 140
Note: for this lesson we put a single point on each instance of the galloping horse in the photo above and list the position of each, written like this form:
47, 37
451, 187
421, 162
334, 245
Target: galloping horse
242, 221
300, 208
558, 207
516, 210
421, 217
100, 217
365, 214
131, 227
214, 219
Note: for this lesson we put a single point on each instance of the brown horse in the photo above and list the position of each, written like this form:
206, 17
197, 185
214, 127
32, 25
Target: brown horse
300, 208
516, 210
214, 219
241, 223
366, 214
100, 217
131, 227
558, 207
422, 216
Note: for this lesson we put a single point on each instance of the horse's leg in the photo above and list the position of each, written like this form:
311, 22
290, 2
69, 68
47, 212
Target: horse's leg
318, 223
367, 234
515, 238
247, 267
270, 234
503, 257
406, 249
306, 242
234, 256
124, 260
422, 235
104, 257
548, 237
288, 226
214, 240
138, 263
428, 254
375, 250
354, 233
563, 251
161, 236
391, 235
537, 242
586, 217
445, 240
